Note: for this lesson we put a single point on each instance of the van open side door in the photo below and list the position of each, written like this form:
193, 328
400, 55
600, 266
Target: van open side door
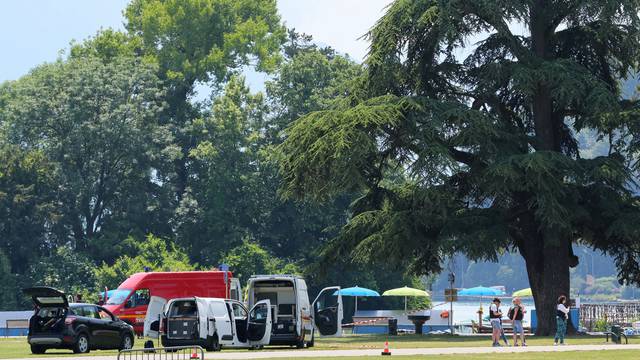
152, 318
328, 312
259, 324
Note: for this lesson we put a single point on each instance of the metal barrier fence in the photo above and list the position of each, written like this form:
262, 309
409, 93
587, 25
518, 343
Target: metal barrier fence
623, 314
167, 353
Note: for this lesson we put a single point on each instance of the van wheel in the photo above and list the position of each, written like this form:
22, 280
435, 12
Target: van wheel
213, 344
38, 349
311, 343
82, 344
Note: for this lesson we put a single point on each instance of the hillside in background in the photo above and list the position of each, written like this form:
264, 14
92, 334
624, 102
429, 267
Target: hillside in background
593, 279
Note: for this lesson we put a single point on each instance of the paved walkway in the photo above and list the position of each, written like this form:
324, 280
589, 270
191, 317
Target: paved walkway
367, 352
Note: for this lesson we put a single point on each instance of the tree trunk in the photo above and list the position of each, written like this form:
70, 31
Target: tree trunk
547, 255
547, 260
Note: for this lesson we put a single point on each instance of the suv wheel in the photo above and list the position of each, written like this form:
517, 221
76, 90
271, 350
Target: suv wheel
38, 349
82, 344
127, 342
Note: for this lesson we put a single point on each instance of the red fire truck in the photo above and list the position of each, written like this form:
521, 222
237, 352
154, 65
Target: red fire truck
129, 302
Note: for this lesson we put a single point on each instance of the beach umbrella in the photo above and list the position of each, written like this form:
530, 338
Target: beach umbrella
355, 292
480, 291
406, 292
523, 293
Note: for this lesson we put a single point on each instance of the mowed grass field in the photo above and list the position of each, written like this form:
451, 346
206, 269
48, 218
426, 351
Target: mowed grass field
568, 355
441, 341
11, 348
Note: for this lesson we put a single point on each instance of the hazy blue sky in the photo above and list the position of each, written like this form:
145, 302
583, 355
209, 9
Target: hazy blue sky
34, 31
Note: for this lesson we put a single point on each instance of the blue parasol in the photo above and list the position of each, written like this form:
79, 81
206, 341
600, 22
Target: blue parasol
355, 292
480, 291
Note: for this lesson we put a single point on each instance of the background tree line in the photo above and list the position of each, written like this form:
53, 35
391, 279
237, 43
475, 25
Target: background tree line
350, 173
110, 162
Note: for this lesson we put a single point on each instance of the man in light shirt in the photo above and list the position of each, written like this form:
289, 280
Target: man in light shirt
496, 326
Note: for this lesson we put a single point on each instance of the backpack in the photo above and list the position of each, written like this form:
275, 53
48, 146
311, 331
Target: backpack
511, 314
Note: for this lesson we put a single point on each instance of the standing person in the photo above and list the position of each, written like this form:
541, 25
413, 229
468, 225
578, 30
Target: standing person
516, 313
496, 326
562, 315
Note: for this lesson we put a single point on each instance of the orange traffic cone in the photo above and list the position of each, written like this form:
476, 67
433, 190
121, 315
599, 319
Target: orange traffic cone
386, 349
194, 354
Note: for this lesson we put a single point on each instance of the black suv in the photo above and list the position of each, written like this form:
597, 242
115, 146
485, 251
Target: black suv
56, 324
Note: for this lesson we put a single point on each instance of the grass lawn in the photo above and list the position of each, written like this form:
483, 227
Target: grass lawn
570, 355
11, 348
439, 341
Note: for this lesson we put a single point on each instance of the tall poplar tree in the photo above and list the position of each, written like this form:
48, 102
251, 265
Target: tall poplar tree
462, 137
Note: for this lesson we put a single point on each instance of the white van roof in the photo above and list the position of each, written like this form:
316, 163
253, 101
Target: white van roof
194, 297
276, 277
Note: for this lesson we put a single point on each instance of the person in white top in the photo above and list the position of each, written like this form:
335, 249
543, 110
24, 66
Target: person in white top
494, 316
562, 316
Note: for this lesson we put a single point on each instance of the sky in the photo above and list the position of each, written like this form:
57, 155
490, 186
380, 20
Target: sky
35, 31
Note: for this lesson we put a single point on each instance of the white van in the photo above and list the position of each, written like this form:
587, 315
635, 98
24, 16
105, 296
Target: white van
208, 322
293, 316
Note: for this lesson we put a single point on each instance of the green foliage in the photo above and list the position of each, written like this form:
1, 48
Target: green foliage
250, 258
312, 80
153, 253
64, 269
601, 325
108, 45
96, 123
27, 204
222, 198
203, 40
8, 285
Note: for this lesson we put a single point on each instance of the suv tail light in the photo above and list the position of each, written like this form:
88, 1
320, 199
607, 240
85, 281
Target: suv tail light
163, 322
69, 320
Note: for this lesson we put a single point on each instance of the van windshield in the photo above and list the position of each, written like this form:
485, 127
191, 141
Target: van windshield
118, 297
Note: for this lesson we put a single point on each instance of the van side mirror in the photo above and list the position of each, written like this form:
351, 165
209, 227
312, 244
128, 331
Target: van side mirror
155, 326
129, 303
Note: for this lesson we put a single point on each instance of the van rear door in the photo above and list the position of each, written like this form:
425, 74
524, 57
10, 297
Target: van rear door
328, 311
259, 324
154, 311
205, 312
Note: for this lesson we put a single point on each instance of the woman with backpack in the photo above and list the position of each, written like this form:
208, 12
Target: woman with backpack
516, 314
562, 315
